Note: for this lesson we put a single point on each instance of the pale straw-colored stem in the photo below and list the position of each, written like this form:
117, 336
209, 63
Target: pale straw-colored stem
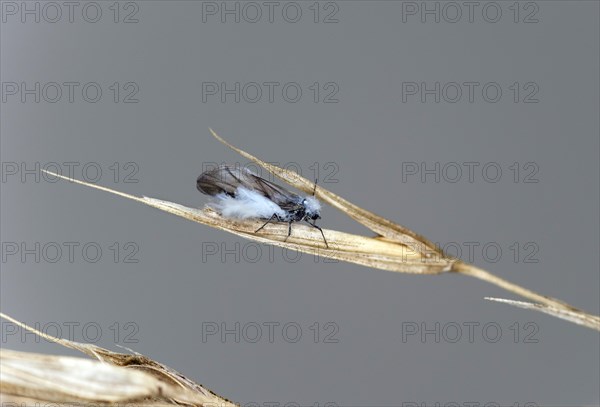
394, 248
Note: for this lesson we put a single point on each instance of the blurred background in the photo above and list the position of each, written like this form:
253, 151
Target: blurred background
474, 124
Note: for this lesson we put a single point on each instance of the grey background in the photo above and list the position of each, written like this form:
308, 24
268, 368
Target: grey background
368, 134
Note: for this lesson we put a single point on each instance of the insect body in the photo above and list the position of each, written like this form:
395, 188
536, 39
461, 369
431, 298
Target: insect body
242, 194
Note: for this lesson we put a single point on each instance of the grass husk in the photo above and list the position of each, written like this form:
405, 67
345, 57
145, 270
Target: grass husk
394, 248
33, 379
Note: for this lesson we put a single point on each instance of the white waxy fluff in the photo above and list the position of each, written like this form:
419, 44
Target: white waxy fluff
312, 205
246, 204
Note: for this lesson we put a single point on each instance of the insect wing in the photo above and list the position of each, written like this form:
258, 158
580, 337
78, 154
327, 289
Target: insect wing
227, 180
282, 197
220, 180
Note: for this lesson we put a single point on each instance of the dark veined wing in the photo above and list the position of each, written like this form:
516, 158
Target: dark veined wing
226, 180
220, 180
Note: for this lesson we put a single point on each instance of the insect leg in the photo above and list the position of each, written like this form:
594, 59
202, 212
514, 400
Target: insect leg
267, 222
289, 230
320, 230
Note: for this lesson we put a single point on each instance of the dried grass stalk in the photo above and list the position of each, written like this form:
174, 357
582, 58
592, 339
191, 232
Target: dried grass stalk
395, 248
115, 378
575, 317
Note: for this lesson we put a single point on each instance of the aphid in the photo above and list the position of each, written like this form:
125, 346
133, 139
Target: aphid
242, 194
